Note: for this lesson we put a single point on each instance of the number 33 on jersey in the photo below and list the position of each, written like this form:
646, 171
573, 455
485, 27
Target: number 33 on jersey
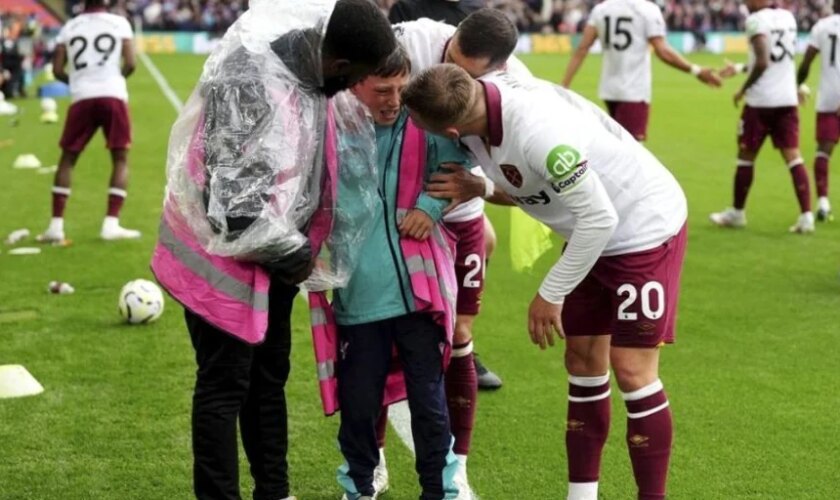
94, 42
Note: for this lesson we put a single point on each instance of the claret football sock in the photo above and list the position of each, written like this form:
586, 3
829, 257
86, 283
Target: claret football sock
461, 396
743, 181
821, 174
799, 175
587, 426
55, 231
649, 435
116, 198
59, 201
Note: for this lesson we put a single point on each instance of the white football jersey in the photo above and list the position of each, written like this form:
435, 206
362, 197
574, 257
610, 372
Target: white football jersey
625, 28
564, 162
825, 37
94, 53
425, 41
777, 86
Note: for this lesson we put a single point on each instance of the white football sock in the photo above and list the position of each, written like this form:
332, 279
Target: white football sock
56, 225
824, 204
583, 491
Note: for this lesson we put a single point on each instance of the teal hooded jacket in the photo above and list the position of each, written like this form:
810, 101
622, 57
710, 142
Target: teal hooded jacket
379, 287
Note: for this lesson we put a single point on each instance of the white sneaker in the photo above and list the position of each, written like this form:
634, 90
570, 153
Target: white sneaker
824, 210
380, 478
111, 230
50, 236
54, 232
804, 224
463, 485
729, 218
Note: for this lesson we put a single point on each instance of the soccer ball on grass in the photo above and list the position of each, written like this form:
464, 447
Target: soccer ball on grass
141, 301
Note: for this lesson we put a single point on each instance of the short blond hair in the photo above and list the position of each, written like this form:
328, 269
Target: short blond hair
442, 95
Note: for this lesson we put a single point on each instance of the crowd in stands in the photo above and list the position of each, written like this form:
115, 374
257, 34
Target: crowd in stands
214, 16
22, 49
547, 16
569, 16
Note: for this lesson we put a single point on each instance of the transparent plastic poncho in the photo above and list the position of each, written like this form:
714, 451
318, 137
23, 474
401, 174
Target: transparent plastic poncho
246, 167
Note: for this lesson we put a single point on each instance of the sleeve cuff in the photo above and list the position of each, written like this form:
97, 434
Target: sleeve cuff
552, 296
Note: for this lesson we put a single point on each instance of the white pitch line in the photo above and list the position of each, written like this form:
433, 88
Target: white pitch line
162, 83
400, 418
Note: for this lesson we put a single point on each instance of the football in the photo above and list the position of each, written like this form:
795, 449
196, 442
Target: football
140, 302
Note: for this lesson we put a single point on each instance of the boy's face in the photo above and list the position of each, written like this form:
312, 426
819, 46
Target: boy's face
382, 96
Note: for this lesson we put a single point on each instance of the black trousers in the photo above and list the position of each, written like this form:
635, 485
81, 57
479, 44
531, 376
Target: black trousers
362, 372
234, 381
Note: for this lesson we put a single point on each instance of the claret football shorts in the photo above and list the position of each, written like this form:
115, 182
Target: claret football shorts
87, 116
632, 297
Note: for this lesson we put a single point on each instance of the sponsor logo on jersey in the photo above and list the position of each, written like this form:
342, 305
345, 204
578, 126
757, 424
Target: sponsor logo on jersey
562, 160
571, 180
537, 199
512, 174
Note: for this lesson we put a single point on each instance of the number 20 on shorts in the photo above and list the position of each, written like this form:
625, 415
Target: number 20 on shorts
645, 294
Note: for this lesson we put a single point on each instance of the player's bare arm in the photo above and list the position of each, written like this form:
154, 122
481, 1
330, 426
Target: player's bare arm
129, 60
60, 64
731, 69
672, 58
762, 61
455, 183
544, 320
804, 70
805, 67
590, 34
461, 186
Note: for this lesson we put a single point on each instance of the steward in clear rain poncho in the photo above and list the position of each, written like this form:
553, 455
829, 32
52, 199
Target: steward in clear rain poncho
253, 165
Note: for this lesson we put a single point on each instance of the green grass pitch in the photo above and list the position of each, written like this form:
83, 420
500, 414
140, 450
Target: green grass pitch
752, 379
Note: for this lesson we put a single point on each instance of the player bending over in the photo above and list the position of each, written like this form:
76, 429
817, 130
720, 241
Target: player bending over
613, 293
482, 42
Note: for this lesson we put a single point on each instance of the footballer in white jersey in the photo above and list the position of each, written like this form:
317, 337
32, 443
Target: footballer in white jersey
98, 49
484, 41
626, 29
771, 110
613, 293
431, 42
824, 42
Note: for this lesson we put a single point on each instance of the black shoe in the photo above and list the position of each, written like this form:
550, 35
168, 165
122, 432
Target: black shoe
487, 380
825, 215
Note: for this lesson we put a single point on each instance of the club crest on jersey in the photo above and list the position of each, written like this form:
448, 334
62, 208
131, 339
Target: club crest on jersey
562, 160
512, 174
